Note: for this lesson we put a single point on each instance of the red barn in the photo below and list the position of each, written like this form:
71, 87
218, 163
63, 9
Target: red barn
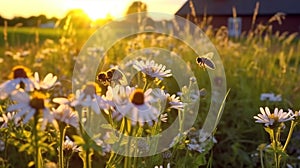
222, 13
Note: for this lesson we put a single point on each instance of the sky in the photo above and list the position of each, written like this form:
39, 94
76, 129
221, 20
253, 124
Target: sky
94, 8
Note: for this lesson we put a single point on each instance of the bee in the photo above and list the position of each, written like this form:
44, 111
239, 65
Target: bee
205, 61
111, 76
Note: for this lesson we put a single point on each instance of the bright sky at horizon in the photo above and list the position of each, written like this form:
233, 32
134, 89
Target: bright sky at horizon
94, 8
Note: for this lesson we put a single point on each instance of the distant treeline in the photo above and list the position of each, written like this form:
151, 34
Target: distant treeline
77, 17
32, 21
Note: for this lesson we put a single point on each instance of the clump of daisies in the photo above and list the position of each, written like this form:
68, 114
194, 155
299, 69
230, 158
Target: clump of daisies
274, 124
28, 103
101, 114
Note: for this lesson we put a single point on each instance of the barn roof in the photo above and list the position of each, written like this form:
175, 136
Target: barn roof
243, 7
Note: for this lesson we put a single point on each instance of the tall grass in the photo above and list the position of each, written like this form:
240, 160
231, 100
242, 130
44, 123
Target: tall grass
260, 60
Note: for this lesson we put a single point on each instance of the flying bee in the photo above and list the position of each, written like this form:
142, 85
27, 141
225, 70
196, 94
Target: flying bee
205, 61
111, 76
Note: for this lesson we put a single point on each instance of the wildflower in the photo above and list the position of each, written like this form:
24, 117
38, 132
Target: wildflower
273, 119
87, 97
47, 83
179, 138
271, 97
167, 154
2, 145
105, 148
28, 106
70, 146
200, 141
133, 103
20, 78
152, 69
6, 118
62, 101
64, 113
174, 102
295, 114
161, 166
164, 117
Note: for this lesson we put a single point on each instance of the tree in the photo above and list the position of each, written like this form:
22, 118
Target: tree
136, 7
77, 18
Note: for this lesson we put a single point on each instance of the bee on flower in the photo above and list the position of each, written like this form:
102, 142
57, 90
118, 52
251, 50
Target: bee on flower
88, 97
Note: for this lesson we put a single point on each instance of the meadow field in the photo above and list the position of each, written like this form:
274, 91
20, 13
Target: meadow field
259, 61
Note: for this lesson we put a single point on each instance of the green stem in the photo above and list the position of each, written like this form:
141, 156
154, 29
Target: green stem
87, 160
111, 158
68, 160
293, 124
275, 146
62, 131
38, 159
126, 162
261, 158
145, 85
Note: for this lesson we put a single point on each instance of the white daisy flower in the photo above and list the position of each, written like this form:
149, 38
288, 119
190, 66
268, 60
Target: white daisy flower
133, 103
152, 69
271, 119
172, 101
296, 115
62, 101
6, 118
87, 97
46, 83
28, 106
161, 166
164, 117
65, 113
20, 79
69, 145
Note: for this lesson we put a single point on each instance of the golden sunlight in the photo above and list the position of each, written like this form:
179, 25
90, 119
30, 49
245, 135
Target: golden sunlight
94, 13
99, 9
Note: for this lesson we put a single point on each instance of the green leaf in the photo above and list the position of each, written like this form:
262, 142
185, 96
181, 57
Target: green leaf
78, 140
112, 138
24, 147
107, 126
200, 160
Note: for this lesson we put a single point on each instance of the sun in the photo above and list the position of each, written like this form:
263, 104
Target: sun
95, 13
96, 9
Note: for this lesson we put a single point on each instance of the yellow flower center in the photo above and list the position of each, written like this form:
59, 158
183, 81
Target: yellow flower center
37, 101
90, 89
137, 97
275, 118
19, 73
